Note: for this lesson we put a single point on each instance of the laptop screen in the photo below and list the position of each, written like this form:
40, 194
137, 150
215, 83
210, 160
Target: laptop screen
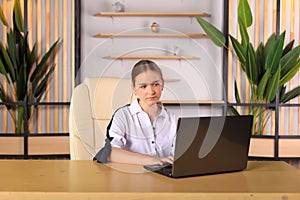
206, 145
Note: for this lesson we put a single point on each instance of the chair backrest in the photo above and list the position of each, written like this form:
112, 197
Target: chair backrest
92, 106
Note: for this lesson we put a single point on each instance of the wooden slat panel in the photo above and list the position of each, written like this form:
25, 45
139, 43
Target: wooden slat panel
290, 23
49, 21
56, 70
7, 11
264, 13
66, 44
46, 41
297, 39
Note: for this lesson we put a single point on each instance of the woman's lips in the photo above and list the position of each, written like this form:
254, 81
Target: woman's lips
152, 98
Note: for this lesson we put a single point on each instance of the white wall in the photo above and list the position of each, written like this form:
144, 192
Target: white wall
198, 79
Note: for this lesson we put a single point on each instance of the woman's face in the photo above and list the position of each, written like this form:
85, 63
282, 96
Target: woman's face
148, 87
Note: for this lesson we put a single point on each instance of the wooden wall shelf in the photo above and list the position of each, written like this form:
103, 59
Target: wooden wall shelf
169, 80
193, 102
188, 35
167, 14
151, 57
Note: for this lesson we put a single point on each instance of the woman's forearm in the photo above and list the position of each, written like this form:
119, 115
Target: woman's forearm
119, 155
123, 156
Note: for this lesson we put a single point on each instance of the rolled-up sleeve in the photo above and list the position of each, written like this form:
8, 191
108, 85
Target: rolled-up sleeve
117, 130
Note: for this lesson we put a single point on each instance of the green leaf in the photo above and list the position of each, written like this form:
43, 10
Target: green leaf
239, 50
20, 121
270, 42
3, 18
290, 74
236, 93
212, 32
23, 54
231, 110
29, 108
42, 86
289, 60
259, 61
251, 68
2, 94
282, 93
244, 34
17, 16
273, 85
12, 49
244, 13
8, 63
42, 63
288, 48
262, 84
3, 71
291, 94
31, 58
18, 35
21, 84
3, 97
274, 55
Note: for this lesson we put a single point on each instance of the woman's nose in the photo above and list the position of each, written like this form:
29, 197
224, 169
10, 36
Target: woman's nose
151, 90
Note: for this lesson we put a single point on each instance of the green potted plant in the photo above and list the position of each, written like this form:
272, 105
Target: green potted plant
24, 72
268, 67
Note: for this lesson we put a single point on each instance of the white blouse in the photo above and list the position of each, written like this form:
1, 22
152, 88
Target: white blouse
131, 129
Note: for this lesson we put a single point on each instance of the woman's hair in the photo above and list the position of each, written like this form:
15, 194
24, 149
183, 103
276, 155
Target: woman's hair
142, 66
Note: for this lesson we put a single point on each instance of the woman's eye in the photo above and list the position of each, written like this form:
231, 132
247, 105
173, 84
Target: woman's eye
143, 86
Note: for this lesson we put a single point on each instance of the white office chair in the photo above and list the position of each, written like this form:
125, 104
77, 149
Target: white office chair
92, 106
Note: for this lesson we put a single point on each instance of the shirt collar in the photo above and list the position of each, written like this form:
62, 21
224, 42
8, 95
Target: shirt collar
136, 108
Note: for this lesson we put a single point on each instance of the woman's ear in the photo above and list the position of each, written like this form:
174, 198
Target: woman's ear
133, 89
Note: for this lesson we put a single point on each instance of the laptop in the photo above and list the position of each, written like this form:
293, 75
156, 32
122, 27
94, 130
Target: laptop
209, 145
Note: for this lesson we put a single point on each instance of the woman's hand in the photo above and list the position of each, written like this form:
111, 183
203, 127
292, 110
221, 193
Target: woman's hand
161, 161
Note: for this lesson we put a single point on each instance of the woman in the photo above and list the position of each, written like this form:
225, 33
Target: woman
144, 131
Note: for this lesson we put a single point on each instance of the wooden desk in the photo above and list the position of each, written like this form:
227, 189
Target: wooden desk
78, 180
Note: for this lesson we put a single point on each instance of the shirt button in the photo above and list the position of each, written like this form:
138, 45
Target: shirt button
153, 142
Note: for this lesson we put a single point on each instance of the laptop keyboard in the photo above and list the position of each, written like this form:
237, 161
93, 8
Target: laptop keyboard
166, 170
166, 166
